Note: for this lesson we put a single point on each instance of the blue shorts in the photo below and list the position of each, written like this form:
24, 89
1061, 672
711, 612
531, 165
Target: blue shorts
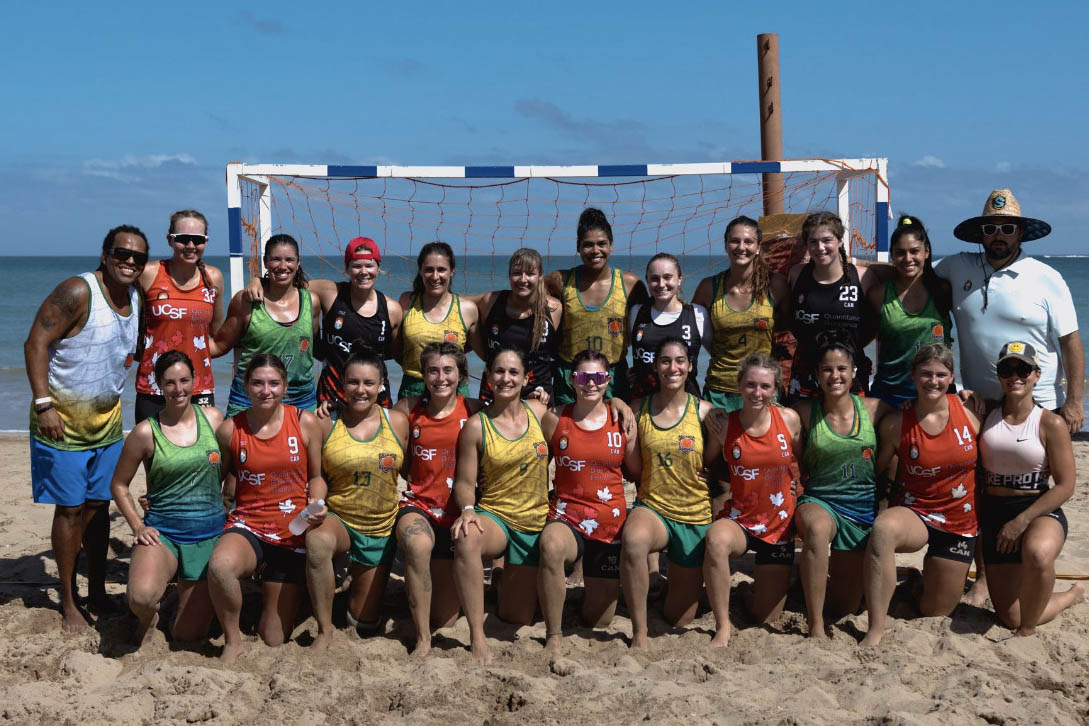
70, 478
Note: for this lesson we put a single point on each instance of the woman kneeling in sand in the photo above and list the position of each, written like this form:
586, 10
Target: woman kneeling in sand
1022, 525
185, 517
364, 450
931, 449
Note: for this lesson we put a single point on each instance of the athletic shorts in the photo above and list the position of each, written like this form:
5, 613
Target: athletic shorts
994, 512
728, 401
147, 404
192, 558
686, 541
70, 478
443, 549
366, 550
599, 559
416, 387
521, 546
564, 393
947, 545
282, 564
767, 553
851, 535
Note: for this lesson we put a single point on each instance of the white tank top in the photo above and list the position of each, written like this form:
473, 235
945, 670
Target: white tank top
87, 372
1013, 456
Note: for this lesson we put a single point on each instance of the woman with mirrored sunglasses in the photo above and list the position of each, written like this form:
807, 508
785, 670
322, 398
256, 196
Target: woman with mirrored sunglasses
183, 309
1024, 450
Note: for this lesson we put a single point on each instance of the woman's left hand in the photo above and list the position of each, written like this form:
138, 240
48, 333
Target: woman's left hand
622, 412
1009, 537
541, 395
717, 421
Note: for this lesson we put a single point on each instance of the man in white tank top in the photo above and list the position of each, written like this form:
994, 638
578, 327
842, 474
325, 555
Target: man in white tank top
78, 355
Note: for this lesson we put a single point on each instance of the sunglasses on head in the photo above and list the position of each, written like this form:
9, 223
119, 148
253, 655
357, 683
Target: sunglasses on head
1010, 368
1007, 228
189, 239
121, 254
583, 378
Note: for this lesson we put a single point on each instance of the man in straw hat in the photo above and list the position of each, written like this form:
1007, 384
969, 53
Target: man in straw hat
999, 294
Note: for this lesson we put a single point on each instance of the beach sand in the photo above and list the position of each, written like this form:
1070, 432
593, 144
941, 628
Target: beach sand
963, 670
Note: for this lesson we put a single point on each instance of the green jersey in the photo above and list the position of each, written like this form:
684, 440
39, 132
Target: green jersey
841, 467
900, 334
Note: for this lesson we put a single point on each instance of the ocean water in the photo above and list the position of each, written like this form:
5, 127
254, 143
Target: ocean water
26, 281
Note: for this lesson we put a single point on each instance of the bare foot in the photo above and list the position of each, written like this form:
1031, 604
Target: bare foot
817, 630
481, 653
321, 642
639, 640
422, 649
872, 639
231, 652
722, 638
73, 621
977, 594
1079, 593
145, 630
554, 643
575, 579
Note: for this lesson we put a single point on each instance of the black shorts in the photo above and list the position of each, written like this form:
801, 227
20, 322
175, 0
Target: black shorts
599, 559
443, 549
281, 564
770, 554
994, 512
947, 545
147, 405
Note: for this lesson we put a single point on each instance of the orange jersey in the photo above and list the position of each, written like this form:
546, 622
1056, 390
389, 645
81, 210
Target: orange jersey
589, 484
939, 472
761, 469
177, 320
272, 479
433, 458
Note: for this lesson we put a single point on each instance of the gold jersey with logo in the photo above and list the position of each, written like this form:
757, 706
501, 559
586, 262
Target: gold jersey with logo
362, 477
672, 458
417, 331
737, 334
516, 474
602, 328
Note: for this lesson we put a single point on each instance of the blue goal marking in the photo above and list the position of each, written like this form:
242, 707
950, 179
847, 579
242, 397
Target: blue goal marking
622, 170
349, 171
489, 172
755, 167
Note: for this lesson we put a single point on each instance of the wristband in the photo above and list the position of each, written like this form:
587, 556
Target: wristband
43, 399
43, 409
468, 506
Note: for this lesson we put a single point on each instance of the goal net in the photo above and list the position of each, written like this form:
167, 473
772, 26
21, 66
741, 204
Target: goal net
487, 212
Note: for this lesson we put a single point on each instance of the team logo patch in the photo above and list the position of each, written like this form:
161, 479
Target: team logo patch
563, 443
686, 444
639, 335
867, 453
616, 326
304, 345
914, 453
967, 285
801, 299
213, 457
415, 432
761, 324
242, 456
339, 323
128, 360
387, 462
163, 295
998, 202
937, 332
495, 331
450, 336
1016, 348
736, 452
542, 449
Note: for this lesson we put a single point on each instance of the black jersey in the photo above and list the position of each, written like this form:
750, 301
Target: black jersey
838, 307
646, 335
341, 327
501, 329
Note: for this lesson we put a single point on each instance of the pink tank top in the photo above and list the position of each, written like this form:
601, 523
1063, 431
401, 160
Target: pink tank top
1013, 455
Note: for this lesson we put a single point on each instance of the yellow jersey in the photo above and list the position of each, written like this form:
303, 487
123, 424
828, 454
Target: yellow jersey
417, 331
672, 458
516, 474
362, 477
602, 328
737, 334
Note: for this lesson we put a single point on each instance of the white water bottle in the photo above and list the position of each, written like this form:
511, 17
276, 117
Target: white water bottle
299, 524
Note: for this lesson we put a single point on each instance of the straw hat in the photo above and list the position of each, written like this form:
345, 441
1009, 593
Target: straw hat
1001, 203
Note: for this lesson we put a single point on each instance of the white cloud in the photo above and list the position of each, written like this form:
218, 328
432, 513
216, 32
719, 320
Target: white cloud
1003, 167
122, 169
930, 161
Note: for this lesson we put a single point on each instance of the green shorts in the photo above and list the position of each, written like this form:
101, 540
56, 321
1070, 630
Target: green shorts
416, 387
726, 400
192, 558
564, 393
369, 551
521, 546
851, 535
686, 541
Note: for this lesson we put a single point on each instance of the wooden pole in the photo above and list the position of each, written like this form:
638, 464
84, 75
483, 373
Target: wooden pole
771, 119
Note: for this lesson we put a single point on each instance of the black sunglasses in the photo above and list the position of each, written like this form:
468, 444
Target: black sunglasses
189, 239
1019, 368
121, 254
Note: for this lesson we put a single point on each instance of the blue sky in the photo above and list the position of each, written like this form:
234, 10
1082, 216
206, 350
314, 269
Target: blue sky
123, 113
